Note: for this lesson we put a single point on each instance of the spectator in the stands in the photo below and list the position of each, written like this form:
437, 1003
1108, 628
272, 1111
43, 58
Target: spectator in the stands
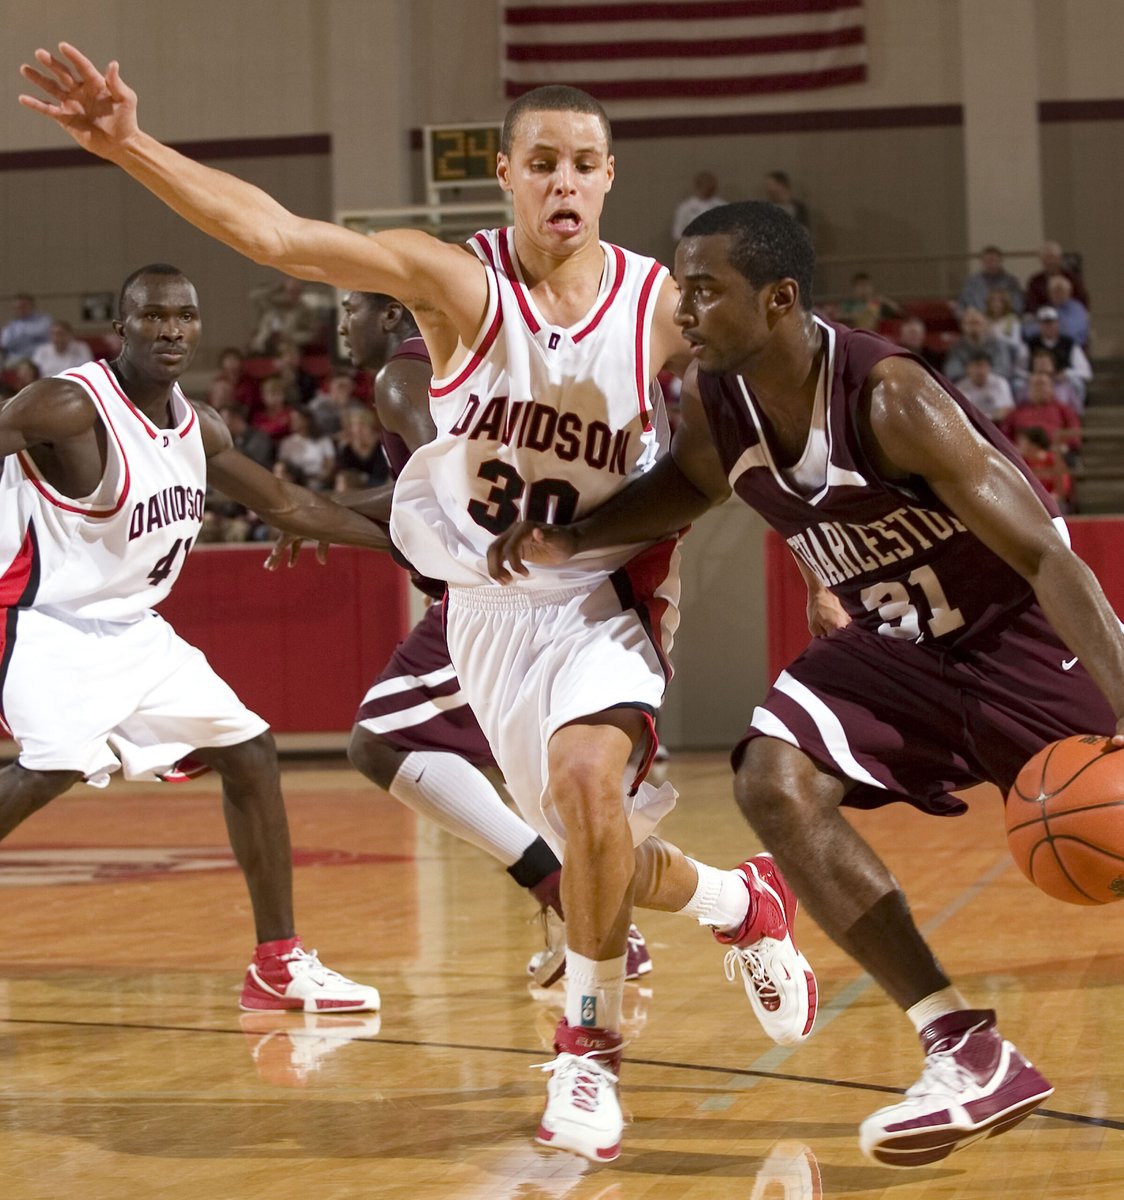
913, 335
991, 277
1073, 316
1043, 408
284, 311
1047, 463
254, 443
975, 334
312, 458
360, 448
704, 197
22, 372
25, 332
778, 191
864, 308
1070, 360
243, 388
273, 416
330, 405
1043, 361
1053, 263
300, 385
989, 392
61, 351
1006, 326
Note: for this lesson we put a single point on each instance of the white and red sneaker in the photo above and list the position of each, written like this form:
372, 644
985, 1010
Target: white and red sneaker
974, 1085
780, 984
547, 966
283, 975
583, 1108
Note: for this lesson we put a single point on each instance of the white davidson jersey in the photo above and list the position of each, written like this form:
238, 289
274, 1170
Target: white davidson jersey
540, 422
115, 553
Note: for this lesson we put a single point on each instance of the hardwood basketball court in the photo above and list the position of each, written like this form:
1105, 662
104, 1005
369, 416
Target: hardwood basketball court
128, 1069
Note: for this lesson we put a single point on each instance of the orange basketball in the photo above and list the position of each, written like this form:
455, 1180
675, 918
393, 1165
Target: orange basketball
1065, 820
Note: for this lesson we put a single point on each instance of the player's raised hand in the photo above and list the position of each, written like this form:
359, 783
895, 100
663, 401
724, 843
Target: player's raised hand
98, 111
529, 542
286, 550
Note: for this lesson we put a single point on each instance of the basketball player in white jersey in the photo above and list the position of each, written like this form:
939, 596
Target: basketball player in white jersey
544, 343
104, 471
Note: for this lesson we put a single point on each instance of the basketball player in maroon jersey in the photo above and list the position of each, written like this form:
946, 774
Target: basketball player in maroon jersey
102, 478
960, 633
414, 735
573, 707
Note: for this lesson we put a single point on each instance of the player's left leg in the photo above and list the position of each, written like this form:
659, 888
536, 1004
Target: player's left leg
283, 974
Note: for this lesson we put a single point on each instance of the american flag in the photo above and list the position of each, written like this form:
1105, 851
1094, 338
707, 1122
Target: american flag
687, 50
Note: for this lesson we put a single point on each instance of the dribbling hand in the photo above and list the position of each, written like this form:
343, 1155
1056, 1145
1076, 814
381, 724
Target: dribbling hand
98, 111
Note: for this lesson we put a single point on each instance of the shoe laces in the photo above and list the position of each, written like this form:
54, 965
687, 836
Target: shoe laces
754, 970
303, 962
584, 1076
943, 1071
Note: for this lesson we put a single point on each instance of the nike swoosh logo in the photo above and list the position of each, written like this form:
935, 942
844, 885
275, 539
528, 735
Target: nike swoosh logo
1069, 664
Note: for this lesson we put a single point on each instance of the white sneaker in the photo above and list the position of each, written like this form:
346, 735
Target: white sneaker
780, 984
548, 965
583, 1108
298, 979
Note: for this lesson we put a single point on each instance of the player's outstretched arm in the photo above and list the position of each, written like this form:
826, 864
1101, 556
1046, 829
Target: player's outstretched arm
99, 111
918, 429
677, 490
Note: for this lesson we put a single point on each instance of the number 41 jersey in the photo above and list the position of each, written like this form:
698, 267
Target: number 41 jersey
540, 422
898, 559
115, 553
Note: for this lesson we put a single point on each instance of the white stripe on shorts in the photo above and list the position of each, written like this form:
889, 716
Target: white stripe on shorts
407, 683
418, 715
829, 727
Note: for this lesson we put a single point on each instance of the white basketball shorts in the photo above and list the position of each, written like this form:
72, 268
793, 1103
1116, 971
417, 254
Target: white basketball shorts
98, 696
531, 661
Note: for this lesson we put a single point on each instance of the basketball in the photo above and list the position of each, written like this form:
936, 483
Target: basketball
1065, 820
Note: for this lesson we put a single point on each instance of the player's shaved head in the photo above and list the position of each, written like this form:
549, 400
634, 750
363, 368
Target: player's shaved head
124, 298
552, 98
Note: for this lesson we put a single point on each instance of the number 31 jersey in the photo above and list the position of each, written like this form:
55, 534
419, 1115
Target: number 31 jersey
540, 422
902, 564
114, 554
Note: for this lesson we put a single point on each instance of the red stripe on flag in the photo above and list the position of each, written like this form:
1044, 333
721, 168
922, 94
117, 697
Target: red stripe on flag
582, 14
656, 89
788, 43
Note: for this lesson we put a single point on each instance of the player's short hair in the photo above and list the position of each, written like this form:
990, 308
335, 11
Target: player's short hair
555, 97
139, 273
379, 300
766, 244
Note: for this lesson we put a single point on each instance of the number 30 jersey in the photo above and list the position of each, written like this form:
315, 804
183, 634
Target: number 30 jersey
540, 422
115, 553
898, 559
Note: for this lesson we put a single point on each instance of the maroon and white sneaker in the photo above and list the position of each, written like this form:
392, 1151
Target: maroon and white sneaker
284, 975
974, 1085
583, 1108
780, 984
548, 965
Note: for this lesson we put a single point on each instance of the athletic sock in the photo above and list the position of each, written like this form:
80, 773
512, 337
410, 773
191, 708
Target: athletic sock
938, 1004
721, 899
537, 863
453, 794
594, 991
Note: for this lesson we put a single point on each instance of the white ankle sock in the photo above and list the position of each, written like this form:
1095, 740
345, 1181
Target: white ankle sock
721, 899
455, 795
594, 991
947, 1000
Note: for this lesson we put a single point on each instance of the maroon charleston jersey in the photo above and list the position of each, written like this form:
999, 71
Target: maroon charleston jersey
416, 703
949, 673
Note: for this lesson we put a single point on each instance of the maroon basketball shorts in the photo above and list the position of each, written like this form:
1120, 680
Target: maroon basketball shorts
914, 722
417, 702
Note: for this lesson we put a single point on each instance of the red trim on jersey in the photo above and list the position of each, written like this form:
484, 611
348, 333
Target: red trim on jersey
13, 583
486, 246
636, 583
150, 429
475, 359
517, 287
618, 279
190, 420
641, 310
18, 586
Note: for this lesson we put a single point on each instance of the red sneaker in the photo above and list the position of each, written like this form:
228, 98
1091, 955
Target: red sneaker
283, 975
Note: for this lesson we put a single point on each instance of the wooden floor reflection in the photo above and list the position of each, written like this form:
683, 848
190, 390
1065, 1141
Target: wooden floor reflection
128, 1070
